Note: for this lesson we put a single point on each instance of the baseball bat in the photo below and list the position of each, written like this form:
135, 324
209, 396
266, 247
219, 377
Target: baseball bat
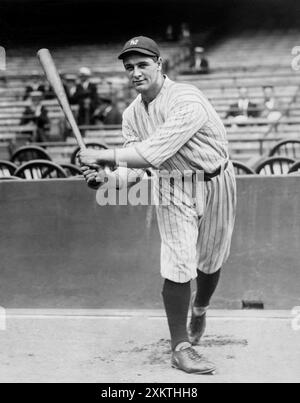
54, 79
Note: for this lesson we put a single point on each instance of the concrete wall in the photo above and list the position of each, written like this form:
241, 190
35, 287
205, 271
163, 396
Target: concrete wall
58, 249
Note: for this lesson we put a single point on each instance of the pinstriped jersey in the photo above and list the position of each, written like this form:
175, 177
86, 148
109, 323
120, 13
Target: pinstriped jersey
178, 130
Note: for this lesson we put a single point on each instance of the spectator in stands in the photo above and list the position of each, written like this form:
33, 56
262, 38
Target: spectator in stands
48, 92
271, 106
70, 84
36, 115
86, 97
170, 33
35, 85
64, 129
185, 34
186, 40
244, 108
110, 112
200, 62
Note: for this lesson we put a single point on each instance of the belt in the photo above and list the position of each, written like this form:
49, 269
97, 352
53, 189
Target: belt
208, 177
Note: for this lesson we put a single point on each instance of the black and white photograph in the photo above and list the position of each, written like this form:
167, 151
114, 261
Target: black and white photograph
149, 194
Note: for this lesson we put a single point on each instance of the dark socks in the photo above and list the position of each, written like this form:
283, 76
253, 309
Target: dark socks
206, 286
176, 297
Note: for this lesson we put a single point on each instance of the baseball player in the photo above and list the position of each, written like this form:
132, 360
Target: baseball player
172, 126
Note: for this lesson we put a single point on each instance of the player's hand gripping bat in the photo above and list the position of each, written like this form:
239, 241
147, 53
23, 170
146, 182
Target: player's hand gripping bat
53, 77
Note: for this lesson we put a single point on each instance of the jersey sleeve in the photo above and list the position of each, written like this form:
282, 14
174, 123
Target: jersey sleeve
129, 134
130, 139
186, 114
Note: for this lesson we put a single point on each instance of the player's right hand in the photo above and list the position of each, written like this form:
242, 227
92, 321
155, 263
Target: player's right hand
93, 177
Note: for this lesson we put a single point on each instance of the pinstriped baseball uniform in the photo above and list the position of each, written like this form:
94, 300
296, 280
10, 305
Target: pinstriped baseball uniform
180, 130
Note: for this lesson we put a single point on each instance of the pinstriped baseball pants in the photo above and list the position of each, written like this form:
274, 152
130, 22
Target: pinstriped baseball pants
196, 234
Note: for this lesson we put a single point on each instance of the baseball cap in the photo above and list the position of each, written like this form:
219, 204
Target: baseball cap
140, 44
85, 71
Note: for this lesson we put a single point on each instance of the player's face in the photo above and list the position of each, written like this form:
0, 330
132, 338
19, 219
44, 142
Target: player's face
144, 72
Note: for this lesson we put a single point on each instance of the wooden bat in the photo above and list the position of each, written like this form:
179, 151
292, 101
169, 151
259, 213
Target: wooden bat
54, 79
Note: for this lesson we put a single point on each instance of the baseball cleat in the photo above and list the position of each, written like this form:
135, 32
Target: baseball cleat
188, 360
197, 324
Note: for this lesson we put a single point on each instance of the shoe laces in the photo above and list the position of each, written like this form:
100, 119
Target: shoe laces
193, 354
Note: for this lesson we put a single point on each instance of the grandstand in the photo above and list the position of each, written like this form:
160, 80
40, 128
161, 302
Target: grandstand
69, 58
243, 56
255, 50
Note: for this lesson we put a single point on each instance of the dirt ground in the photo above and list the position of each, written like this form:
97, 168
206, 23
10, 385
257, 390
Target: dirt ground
133, 346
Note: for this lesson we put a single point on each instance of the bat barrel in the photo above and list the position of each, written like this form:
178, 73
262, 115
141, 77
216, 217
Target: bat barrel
54, 79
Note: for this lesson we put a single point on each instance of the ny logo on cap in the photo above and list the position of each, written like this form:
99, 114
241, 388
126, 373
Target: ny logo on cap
134, 42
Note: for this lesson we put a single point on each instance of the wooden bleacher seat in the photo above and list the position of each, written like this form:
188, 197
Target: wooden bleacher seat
29, 153
295, 168
242, 169
275, 166
287, 148
71, 170
59, 151
40, 169
7, 168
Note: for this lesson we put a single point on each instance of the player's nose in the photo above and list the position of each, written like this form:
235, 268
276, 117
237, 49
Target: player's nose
136, 72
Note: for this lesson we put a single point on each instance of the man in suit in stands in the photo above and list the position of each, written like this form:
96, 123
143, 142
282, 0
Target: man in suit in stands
85, 96
110, 112
201, 64
243, 108
35, 85
36, 114
69, 82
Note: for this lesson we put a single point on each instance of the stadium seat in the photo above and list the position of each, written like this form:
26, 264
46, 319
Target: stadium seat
295, 168
96, 146
7, 168
275, 166
242, 169
71, 170
29, 153
287, 148
40, 169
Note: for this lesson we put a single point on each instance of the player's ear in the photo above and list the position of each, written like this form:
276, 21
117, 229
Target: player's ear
159, 63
